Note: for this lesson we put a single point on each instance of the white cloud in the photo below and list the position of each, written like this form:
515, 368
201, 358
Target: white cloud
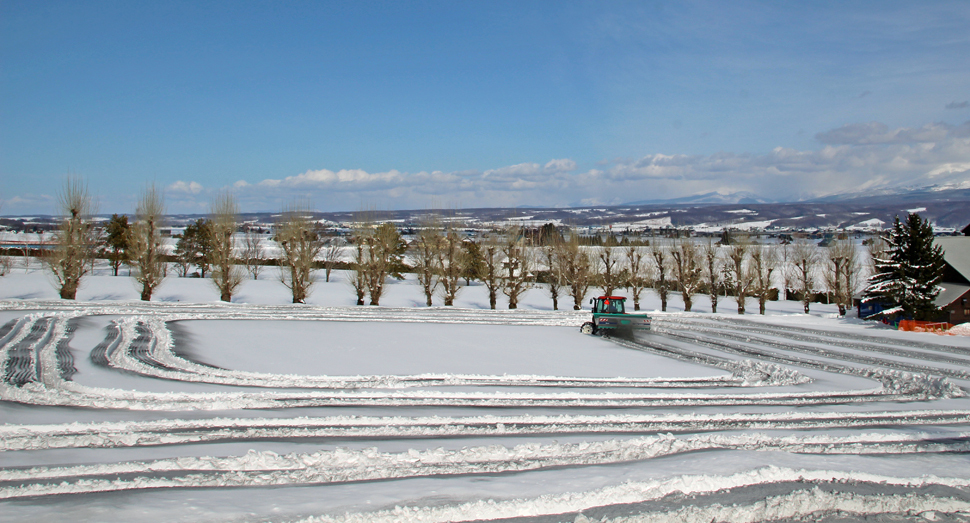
186, 187
879, 133
855, 157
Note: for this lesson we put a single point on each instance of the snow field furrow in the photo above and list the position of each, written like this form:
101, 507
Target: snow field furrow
816, 337
160, 361
345, 465
305, 312
69, 394
752, 373
891, 378
747, 337
169, 432
875, 341
802, 502
56, 391
140, 345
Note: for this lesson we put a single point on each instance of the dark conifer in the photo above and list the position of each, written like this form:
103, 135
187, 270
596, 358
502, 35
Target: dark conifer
908, 273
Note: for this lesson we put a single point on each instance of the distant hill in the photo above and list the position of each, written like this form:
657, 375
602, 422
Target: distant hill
944, 207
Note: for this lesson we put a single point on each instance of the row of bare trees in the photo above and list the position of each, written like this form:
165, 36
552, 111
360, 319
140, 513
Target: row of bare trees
508, 261
140, 245
742, 270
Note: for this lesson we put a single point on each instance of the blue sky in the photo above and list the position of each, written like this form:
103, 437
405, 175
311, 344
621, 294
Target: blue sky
466, 104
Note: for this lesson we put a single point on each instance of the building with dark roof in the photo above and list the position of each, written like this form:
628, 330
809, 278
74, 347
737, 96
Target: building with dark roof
954, 299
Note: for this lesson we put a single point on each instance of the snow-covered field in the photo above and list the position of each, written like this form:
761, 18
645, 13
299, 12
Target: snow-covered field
189, 409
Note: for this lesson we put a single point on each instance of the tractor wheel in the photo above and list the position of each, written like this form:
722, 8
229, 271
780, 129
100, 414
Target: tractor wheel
588, 328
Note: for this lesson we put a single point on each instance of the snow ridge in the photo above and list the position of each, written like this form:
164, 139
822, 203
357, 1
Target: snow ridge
345, 465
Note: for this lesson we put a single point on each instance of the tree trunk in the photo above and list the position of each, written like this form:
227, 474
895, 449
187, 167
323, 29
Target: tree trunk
146, 293
491, 298
226, 296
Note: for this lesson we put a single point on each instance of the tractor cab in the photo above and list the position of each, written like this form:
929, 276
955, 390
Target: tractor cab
608, 305
610, 317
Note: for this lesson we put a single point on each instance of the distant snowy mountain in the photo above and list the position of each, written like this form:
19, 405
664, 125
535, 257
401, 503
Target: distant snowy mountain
711, 198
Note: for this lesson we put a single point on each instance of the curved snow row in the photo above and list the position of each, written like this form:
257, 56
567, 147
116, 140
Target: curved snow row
185, 431
47, 386
809, 502
144, 345
36, 368
763, 346
345, 465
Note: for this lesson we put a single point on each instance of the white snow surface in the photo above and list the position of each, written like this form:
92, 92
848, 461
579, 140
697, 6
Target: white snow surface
189, 409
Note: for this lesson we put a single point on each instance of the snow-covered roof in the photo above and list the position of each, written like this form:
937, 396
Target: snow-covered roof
950, 293
956, 252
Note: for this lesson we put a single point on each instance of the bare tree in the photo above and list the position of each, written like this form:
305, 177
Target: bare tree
764, 261
841, 273
804, 259
424, 250
876, 248
493, 258
5, 263
226, 275
784, 261
332, 254
300, 245
660, 252
638, 273
451, 262
551, 252
610, 272
737, 269
384, 251
145, 244
576, 269
518, 265
713, 271
688, 269
253, 253
75, 239
358, 274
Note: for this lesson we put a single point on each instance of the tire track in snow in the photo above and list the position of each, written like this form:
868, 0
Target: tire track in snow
697, 334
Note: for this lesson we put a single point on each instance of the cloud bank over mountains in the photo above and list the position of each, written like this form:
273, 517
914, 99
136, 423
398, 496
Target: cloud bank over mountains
855, 157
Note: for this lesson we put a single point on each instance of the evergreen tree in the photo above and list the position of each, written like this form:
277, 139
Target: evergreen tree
117, 241
195, 245
474, 262
907, 274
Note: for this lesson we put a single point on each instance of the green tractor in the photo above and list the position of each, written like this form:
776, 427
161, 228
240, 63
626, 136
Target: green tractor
610, 318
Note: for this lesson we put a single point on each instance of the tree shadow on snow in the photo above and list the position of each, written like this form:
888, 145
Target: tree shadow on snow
184, 344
